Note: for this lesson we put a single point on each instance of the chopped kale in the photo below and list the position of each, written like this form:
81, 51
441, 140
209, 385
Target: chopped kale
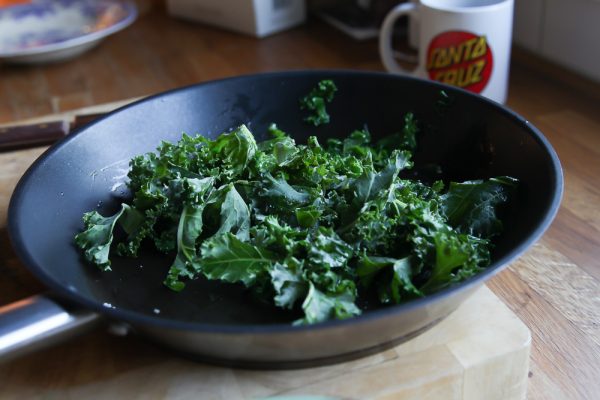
314, 225
316, 101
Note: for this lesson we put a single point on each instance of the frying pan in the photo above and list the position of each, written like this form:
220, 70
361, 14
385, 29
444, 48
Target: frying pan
468, 136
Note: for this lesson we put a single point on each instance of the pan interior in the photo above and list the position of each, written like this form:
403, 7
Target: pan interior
472, 138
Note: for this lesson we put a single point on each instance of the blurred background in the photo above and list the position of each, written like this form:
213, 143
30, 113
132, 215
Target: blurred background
180, 42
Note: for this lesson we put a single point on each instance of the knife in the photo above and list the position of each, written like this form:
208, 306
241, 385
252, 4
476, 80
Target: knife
24, 136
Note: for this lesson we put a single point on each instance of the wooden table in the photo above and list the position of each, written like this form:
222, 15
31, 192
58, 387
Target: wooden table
554, 288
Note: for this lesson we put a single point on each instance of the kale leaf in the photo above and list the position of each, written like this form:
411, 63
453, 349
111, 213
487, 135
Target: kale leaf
227, 258
320, 307
316, 101
98, 236
471, 206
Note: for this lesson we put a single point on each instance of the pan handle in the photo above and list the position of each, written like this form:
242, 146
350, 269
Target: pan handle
37, 322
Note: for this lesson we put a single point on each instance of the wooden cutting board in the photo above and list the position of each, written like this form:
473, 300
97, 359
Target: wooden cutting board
481, 351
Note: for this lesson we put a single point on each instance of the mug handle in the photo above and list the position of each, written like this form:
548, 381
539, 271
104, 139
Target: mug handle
388, 54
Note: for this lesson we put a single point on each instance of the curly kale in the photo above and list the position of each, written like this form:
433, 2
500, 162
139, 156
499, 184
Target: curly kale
316, 101
312, 226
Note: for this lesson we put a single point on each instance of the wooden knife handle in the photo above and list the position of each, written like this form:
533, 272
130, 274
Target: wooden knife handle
20, 137
81, 120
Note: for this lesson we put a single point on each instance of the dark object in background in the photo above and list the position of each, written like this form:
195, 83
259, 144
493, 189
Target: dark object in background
45, 133
359, 19
216, 322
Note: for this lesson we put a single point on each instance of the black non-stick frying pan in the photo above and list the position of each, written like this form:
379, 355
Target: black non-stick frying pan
468, 136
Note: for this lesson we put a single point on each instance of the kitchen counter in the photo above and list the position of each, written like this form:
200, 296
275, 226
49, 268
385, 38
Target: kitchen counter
554, 288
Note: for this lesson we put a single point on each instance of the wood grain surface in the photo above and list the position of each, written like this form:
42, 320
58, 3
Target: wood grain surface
554, 288
480, 352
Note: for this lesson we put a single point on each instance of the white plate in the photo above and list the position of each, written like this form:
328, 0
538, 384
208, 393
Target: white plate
55, 30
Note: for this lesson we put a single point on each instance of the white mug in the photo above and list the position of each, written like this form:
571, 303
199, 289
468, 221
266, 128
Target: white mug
464, 43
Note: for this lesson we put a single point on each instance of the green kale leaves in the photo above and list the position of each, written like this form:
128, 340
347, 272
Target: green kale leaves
310, 228
316, 101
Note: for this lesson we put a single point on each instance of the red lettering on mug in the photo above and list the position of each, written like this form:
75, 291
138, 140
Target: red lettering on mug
460, 59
